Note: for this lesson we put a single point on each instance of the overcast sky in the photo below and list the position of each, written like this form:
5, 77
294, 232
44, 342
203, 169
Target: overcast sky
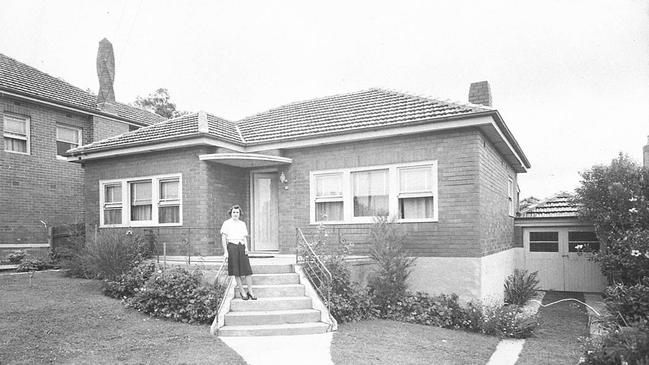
570, 78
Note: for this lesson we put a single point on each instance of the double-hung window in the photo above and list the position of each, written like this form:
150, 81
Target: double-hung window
329, 197
146, 201
510, 197
356, 195
16, 133
67, 138
416, 196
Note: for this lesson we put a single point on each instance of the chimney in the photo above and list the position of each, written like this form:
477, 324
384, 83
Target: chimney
645, 154
106, 74
480, 93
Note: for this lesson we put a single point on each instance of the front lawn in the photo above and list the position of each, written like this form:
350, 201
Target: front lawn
66, 320
389, 342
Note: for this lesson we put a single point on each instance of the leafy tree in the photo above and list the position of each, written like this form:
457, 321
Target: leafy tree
159, 102
528, 202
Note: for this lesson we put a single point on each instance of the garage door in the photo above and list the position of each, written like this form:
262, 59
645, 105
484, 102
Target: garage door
555, 254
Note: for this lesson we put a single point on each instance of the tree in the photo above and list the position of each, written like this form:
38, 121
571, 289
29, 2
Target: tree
159, 102
528, 202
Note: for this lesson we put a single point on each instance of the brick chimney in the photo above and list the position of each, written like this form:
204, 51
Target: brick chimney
480, 93
106, 74
645, 154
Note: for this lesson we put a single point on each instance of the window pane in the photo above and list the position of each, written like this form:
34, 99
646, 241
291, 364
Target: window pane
415, 179
370, 193
329, 211
544, 236
15, 125
582, 236
113, 216
544, 241
544, 247
113, 194
141, 192
587, 240
329, 185
61, 147
16, 145
169, 214
70, 135
169, 190
411, 208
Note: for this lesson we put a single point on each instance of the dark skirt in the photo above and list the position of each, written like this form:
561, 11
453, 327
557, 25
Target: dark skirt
238, 262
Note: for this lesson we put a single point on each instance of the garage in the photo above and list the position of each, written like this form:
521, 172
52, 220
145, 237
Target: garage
559, 246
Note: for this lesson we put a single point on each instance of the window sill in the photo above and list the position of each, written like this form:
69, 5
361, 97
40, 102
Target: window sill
140, 225
372, 221
18, 153
61, 158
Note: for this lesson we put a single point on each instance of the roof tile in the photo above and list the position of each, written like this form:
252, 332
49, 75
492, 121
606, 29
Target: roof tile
558, 206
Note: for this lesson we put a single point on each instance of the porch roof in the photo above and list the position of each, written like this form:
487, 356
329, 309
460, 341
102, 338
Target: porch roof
246, 159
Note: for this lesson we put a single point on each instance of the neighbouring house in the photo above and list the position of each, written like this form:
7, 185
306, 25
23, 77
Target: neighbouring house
557, 244
447, 172
42, 117
645, 154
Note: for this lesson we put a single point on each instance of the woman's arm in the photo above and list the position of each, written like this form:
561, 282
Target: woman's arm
224, 242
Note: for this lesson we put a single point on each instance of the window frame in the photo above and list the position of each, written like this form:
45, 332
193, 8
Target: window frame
156, 201
11, 135
72, 128
393, 192
511, 207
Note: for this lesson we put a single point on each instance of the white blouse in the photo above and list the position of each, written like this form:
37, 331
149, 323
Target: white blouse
235, 231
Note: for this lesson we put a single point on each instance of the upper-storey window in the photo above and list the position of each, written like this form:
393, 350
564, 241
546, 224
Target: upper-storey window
145, 201
355, 195
16, 133
67, 138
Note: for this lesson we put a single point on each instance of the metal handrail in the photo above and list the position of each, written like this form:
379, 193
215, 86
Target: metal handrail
307, 258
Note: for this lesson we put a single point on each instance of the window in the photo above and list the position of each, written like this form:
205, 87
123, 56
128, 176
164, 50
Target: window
16, 133
587, 240
329, 197
510, 197
544, 241
370, 193
416, 192
169, 203
149, 201
67, 138
112, 206
357, 195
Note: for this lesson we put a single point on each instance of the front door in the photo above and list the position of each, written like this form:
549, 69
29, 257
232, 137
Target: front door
265, 210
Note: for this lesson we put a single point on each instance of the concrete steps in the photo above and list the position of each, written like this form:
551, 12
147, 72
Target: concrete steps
282, 308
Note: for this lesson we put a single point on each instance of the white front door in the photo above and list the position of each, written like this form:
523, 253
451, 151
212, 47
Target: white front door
265, 210
554, 253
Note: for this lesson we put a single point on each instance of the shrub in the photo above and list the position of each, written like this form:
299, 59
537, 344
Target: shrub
506, 321
441, 311
16, 257
129, 283
626, 258
177, 294
628, 345
33, 264
629, 302
520, 287
388, 284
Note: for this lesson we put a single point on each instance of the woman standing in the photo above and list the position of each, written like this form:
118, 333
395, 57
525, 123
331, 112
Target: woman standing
234, 240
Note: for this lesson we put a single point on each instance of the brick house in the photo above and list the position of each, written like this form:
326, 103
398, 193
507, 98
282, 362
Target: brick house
43, 116
447, 171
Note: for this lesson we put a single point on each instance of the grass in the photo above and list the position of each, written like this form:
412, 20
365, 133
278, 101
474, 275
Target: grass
556, 340
66, 320
389, 342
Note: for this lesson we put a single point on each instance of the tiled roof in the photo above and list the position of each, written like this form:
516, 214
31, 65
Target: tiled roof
185, 126
559, 206
19, 78
339, 114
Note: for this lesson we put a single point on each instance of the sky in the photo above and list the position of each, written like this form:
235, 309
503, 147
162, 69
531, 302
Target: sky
570, 78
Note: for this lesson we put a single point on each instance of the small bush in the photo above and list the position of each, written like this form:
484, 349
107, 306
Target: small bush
520, 287
177, 294
33, 264
629, 302
127, 284
629, 345
507, 321
388, 284
16, 257
441, 311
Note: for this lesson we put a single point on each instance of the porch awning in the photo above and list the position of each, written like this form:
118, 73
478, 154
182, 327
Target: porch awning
246, 159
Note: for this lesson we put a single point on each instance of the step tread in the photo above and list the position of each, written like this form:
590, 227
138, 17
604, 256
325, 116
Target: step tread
272, 312
276, 274
277, 299
277, 285
276, 326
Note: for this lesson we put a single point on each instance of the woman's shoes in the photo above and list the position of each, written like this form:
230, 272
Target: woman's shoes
244, 296
250, 296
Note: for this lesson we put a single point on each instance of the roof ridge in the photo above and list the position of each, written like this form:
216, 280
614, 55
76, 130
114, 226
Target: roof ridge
438, 99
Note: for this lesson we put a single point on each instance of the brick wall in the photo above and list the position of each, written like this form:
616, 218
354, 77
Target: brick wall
39, 187
208, 189
496, 226
457, 153
103, 128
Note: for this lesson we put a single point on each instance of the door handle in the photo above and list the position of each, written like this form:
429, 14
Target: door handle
565, 256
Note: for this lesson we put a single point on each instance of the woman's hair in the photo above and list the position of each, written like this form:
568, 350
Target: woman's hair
236, 206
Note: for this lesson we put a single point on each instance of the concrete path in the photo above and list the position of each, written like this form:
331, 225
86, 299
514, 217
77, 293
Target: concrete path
285, 350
